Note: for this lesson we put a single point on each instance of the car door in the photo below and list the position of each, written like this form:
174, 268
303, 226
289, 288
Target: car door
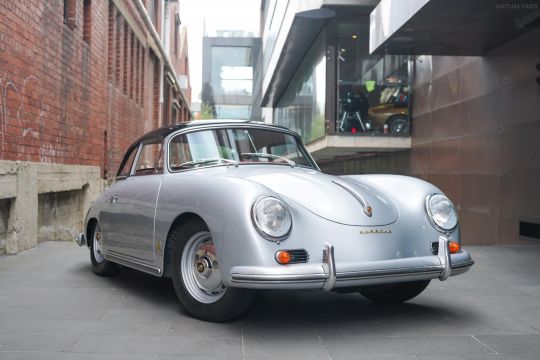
129, 223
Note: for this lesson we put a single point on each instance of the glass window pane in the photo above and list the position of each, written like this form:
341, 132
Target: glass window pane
233, 111
232, 70
373, 91
150, 161
247, 146
302, 106
127, 163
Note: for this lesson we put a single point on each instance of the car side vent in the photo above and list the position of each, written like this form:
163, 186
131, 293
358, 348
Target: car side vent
298, 256
435, 248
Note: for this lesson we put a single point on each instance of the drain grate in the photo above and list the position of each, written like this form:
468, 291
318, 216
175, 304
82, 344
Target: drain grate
529, 229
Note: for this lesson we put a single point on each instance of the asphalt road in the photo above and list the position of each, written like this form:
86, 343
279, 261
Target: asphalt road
53, 307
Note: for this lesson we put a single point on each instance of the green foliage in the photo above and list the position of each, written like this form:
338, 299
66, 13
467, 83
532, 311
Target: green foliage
207, 112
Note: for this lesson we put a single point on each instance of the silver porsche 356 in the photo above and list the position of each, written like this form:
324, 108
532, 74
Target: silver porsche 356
228, 207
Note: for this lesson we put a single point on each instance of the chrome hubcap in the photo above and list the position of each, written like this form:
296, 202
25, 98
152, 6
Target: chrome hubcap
98, 245
200, 269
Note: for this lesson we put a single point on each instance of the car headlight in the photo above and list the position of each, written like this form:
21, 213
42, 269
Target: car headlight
271, 218
441, 212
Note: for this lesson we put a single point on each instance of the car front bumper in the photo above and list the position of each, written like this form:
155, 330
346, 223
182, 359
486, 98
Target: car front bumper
328, 274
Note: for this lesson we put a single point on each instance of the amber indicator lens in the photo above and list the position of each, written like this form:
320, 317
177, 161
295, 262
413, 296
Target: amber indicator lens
454, 247
283, 257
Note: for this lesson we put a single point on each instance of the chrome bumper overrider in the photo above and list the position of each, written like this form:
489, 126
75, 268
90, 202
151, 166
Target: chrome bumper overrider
80, 239
327, 277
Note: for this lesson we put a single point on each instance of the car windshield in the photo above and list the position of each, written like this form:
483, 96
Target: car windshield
235, 146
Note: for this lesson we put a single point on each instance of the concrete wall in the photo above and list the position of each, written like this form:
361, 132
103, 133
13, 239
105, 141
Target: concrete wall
65, 191
4, 218
60, 215
476, 132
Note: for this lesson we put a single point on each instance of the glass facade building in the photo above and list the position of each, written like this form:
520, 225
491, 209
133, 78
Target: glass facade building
232, 70
468, 123
229, 82
338, 87
302, 105
372, 90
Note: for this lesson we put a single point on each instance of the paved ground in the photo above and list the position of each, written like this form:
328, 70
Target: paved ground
53, 307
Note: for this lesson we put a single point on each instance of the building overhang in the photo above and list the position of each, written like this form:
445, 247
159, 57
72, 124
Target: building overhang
304, 30
332, 146
449, 27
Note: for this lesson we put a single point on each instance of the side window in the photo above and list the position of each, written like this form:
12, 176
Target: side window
150, 161
125, 168
179, 152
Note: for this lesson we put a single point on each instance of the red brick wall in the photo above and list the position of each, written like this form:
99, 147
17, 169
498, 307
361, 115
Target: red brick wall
51, 103
178, 46
125, 112
67, 100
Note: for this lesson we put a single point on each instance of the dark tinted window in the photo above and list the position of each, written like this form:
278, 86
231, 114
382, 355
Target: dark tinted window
125, 168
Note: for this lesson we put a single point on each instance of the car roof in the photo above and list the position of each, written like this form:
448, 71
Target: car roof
164, 131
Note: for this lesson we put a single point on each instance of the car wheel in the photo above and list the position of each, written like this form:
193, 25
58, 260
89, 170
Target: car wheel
100, 266
394, 293
197, 277
399, 125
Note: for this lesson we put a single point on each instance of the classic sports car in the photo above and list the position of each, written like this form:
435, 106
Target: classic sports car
392, 114
228, 207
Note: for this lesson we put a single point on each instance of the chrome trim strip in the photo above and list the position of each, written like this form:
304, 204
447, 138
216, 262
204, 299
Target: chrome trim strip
435, 271
330, 261
370, 274
330, 281
444, 258
277, 279
133, 264
464, 265
126, 256
365, 206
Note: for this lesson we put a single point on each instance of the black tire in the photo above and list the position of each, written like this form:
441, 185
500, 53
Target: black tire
399, 125
232, 303
394, 293
100, 267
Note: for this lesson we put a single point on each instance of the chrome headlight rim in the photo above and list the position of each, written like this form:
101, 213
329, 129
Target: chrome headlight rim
429, 214
276, 239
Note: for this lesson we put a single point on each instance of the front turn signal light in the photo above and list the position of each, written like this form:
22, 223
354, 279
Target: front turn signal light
454, 247
283, 257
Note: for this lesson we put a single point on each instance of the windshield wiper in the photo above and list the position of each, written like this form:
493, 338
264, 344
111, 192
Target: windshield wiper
207, 161
269, 156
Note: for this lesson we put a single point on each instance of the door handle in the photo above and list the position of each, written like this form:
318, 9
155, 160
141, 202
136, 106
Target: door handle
112, 199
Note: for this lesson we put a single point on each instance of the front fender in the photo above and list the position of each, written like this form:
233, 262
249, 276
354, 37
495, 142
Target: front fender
224, 203
93, 213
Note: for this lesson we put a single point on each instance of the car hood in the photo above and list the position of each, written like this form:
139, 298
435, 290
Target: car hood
331, 197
